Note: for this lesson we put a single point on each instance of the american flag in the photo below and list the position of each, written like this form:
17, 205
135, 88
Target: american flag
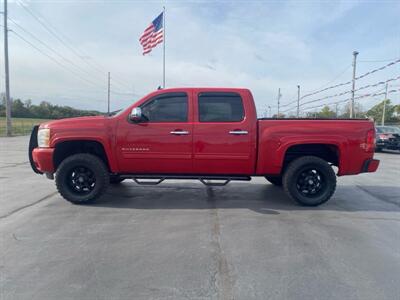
152, 35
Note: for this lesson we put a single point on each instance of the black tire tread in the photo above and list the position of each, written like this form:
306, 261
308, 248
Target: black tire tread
297, 163
88, 159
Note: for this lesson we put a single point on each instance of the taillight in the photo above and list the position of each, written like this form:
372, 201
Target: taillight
384, 136
370, 141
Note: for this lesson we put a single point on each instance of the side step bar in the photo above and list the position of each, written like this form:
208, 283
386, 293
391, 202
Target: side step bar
146, 179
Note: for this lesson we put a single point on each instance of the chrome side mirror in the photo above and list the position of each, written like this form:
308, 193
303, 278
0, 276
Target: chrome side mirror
136, 115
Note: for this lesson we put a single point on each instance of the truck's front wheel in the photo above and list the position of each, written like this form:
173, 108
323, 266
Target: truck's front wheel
82, 178
309, 180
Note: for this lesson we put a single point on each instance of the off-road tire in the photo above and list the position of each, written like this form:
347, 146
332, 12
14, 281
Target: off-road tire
89, 161
297, 168
275, 180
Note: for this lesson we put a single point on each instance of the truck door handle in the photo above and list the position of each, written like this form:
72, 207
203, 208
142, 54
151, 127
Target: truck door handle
179, 132
239, 132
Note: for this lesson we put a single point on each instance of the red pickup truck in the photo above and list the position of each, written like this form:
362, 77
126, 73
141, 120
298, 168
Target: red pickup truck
210, 134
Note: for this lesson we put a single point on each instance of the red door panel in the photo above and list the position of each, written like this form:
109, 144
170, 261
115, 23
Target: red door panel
152, 148
156, 147
223, 147
216, 151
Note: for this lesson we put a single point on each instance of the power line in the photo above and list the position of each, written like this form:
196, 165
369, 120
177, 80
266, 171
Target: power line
57, 35
60, 55
379, 69
373, 61
356, 98
319, 91
50, 48
52, 58
331, 81
347, 92
345, 83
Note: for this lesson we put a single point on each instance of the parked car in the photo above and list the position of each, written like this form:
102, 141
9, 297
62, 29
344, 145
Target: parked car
387, 137
210, 134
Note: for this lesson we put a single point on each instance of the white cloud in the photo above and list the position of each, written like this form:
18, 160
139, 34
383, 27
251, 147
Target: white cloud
260, 45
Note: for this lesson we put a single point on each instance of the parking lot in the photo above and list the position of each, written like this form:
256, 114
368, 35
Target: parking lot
182, 240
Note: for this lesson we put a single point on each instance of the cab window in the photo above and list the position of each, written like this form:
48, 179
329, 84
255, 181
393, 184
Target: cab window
220, 107
166, 108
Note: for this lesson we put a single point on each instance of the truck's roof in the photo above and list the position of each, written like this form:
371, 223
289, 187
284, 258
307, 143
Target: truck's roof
214, 89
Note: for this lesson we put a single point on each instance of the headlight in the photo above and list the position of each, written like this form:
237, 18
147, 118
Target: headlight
43, 138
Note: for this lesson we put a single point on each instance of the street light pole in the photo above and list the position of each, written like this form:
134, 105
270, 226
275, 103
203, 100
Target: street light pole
7, 75
384, 105
108, 95
336, 110
279, 98
352, 113
298, 101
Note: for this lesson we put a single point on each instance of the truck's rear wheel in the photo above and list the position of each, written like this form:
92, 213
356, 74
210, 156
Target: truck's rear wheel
275, 180
82, 178
309, 180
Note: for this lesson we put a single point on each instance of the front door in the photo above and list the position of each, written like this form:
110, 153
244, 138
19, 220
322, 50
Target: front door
224, 138
162, 141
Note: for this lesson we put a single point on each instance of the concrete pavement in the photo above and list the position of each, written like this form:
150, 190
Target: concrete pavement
181, 240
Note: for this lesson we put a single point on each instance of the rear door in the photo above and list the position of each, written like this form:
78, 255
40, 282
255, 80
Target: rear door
224, 136
162, 143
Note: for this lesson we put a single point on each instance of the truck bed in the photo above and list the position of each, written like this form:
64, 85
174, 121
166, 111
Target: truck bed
345, 137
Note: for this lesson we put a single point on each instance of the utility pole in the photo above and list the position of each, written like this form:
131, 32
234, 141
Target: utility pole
279, 98
108, 98
7, 75
352, 113
384, 105
269, 111
298, 101
336, 110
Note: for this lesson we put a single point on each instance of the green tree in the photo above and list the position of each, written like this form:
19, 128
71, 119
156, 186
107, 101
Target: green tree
358, 110
397, 109
45, 110
19, 110
376, 111
326, 113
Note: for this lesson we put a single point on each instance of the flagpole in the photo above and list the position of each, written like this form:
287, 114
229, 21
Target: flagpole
164, 48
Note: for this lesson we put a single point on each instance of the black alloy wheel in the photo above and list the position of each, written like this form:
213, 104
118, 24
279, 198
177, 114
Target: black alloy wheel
81, 178
310, 182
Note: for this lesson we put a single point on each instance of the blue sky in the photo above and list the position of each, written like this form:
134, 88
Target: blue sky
261, 45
